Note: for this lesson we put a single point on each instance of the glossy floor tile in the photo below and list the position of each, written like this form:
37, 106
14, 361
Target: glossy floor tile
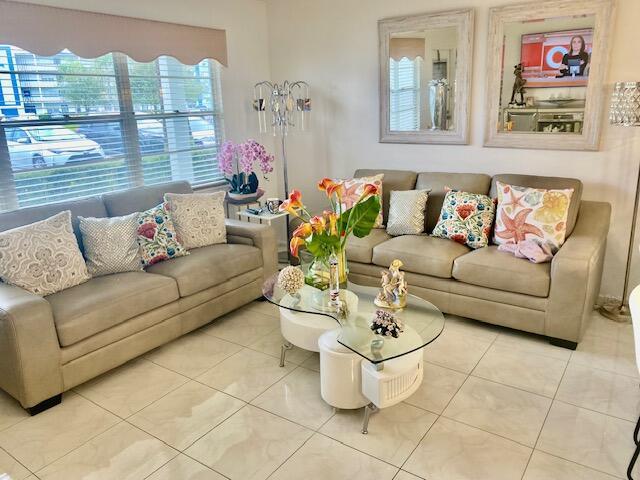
439, 385
528, 371
131, 387
184, 415
602, 391
505, 411
123, 452
12, 467
494, 404
589, 438
193, 354
271, 344
543, 466
606, 354
297, 398
184, 468
322, 458
394, 432
37, 441
451, 450
246, 374
250, 444
11, 412
244, 326
457, 351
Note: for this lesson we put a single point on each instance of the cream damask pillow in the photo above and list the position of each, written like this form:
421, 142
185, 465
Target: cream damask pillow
198, 218
42, 257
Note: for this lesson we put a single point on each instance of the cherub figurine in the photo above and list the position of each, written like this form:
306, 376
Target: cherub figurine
394, 287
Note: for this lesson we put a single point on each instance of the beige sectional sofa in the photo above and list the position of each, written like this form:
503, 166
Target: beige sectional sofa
51, 344
552, 299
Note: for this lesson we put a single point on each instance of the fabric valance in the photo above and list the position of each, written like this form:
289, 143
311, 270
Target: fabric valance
406, 47
47, 30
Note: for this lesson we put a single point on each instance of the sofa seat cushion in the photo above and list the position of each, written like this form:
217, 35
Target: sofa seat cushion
420, 254
361, 249
209, 266
487, 267
103, 302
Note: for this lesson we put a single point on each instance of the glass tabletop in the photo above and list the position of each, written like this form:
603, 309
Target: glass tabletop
421, 321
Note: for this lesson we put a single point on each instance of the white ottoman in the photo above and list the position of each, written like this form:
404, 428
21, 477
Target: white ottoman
340, 373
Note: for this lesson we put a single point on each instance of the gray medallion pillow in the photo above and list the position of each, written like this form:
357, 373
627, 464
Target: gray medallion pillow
42, 257
198, 218
406, 212
111, 244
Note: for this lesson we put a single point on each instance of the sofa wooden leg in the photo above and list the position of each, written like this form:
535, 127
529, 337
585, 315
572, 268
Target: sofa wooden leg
559, 342
45, 405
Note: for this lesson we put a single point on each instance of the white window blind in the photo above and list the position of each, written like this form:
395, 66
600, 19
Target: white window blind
405, 94
73, 127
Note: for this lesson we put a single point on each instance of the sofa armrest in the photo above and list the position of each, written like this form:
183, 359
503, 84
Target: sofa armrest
576, 272
261, 236
30, 368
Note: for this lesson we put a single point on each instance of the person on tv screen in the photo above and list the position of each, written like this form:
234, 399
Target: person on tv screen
576, 60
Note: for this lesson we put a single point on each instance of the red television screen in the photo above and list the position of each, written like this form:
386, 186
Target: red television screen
549, 61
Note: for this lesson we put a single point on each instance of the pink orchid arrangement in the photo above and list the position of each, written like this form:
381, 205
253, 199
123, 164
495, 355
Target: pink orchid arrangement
240, 161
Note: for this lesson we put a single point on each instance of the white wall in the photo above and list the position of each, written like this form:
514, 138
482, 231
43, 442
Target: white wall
333, 44
245, 22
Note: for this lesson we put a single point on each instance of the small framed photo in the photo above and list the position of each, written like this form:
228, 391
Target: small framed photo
530, 102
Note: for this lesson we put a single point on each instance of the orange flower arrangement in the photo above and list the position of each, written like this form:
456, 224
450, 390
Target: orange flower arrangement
327, 233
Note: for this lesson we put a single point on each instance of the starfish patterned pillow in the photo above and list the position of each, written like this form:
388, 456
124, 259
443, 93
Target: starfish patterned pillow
535, 214
353, 188
465, 218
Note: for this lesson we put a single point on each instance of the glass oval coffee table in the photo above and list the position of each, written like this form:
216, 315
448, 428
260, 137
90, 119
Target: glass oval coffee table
357, 366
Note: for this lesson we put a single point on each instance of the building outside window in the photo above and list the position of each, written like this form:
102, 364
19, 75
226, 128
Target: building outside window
73, 127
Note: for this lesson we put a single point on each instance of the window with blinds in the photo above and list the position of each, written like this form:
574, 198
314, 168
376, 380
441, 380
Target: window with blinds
73, 127
404, 76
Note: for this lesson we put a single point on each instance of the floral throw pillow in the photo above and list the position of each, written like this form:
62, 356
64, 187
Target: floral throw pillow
157, 236
531, 214
466, 218
353, 188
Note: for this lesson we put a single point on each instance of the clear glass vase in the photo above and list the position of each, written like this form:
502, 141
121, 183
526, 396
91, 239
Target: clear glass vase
316, 270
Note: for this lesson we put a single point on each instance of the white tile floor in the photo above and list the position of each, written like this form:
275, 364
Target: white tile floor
495, 404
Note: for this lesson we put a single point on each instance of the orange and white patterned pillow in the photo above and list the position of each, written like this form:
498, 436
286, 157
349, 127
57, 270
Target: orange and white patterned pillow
353, 188
535, 214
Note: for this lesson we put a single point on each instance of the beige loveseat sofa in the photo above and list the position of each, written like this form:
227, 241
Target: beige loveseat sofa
51, 344
552, 299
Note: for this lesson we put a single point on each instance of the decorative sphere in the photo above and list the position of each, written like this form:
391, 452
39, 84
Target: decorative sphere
291, 279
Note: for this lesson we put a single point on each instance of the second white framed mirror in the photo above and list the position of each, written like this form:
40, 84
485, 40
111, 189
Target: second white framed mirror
425, 77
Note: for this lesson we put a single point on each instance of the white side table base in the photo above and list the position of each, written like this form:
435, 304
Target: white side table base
340, 373
302, 330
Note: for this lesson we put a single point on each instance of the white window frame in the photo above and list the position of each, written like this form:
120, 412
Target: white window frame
128, 120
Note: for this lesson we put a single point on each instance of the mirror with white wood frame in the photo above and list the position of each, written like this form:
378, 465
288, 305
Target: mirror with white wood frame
547, 62
425, 77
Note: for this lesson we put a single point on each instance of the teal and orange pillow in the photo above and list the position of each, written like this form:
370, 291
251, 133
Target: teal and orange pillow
466, 218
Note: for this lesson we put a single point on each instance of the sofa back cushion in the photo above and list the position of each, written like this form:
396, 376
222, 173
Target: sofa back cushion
142, 198
549, 183
438, 182
86, 207
393, 180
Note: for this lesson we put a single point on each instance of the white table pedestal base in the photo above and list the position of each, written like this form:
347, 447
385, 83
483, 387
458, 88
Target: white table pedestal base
340, 373
302, 330
348, 381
